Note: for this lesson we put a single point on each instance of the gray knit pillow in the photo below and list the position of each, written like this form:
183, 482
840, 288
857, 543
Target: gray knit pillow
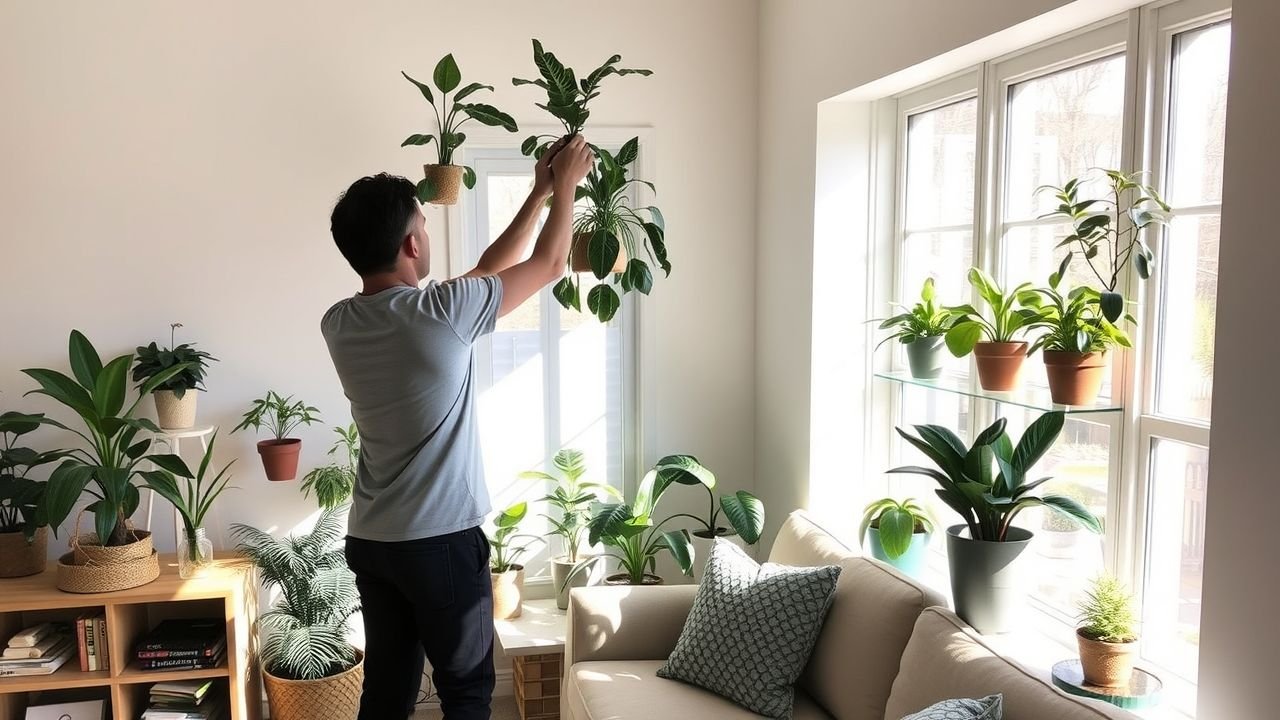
988, 708
751, 629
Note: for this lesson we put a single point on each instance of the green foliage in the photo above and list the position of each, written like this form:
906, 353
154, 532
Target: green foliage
306, 632
506, 551
20, 495
449, 137
925, 319
97, 394
153, 360
1009, 317
194, 497
334, 482
744, 511
572, 497
986, 483
897, 522
281, 415
1073, 322
1106, 614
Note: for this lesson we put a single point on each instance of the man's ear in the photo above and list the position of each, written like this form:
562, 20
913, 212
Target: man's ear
410, 246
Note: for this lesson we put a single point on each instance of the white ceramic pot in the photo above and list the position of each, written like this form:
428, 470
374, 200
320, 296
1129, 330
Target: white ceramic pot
508, 593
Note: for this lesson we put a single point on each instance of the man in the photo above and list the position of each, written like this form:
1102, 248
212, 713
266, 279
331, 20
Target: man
404, 356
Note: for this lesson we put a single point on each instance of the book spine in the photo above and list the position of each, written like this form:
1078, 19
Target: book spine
102, 641
84, 648
161, 654
177, 664
89, 642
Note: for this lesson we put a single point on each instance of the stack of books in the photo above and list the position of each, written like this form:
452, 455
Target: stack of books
186, 700
91, 638
183, 645
38, 650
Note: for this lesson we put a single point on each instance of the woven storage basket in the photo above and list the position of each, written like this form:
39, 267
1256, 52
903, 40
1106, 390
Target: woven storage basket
18, 559
99, 578
333, 698
447, 180
87, 549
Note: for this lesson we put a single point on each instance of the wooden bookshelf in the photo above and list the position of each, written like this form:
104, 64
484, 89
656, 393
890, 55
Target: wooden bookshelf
228, 590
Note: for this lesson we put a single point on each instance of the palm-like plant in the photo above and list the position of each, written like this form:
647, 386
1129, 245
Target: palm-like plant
571, 496
1073, 322
306, 631
334, 482
281, 415
194, 497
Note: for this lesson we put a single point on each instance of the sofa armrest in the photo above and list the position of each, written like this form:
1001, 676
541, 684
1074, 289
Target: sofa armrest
625, 623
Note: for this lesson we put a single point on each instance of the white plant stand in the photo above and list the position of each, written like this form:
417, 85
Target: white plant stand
172, 440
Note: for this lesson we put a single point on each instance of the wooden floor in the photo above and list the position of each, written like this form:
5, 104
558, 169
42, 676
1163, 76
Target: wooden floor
504, 708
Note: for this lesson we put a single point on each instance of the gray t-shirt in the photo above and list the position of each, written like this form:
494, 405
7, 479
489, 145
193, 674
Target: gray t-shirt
404, 356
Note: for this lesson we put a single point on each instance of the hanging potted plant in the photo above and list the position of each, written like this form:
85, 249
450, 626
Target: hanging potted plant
309, 668
192, 499
442, 180
897, 533
176, 398
995, 343
921, 329
24, 538
505, 572
987, 485
572, 497
1107, 636
334, 482
281, 416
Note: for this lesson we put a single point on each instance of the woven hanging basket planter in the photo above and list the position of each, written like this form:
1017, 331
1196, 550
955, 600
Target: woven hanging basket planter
18, 559
447, 180
336, 697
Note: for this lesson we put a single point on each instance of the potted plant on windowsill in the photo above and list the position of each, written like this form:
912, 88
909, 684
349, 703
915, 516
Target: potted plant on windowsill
897, 533
24, 537
334, 482
572, 497
987, 485
921, 329
176, 398
744, 512
994, 343
505, 572
1107, 636
442, 180
281, 415
193, 500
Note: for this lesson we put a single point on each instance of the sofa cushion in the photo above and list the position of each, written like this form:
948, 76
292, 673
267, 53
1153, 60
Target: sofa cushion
987, 708
623, 689
947, 659
873, 612
751, 629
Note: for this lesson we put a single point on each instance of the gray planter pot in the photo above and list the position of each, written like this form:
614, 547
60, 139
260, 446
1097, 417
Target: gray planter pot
925, 357
560, 568
987, 583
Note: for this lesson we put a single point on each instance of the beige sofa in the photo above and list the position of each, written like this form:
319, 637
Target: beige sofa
888, 648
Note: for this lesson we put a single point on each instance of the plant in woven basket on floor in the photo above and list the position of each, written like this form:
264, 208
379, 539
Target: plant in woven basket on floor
310, 668
23, 531
1107, 633
505, 570
441, 181
176, 397
281, 416
334, 482
192, 497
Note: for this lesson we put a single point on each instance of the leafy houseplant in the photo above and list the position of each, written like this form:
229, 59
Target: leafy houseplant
1107, 636
744, 511
305, 634
23, 535
440, 184
280, 415
921, 329
193, 499
898, 532
334, 482
994, 342
505, 571
175, 406
986, 484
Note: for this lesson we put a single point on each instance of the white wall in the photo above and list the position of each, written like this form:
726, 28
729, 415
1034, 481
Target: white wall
178, 162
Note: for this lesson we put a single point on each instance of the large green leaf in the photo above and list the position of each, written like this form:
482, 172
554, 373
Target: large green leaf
1069, 507
962, 337
746, 515
897, 527
424, 89
566, 293
85, 363
607, 520
681, 547
113, 382
447, 76
512, 516
417, 139
106, 515
1112, 304
1036, 441
173, 464
468, 90
602, 252
603, 302
639, 276
19, 423
491, 116
65, 486
629, 151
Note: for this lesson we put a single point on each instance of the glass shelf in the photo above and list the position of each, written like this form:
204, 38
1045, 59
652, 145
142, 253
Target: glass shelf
1028, 396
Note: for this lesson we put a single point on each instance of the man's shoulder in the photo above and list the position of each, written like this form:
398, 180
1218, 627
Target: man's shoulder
331, 316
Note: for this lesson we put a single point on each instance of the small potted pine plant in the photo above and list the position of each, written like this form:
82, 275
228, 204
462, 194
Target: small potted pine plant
996, 342
921, 329
281, 416
505, 571
897, 533
24, 537
1107, 634
334, 482
176, 397
192, 495
442, 179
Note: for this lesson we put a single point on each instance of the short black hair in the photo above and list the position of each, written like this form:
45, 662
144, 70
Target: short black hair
370, 221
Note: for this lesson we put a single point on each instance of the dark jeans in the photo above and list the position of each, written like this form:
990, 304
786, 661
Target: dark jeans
431, 595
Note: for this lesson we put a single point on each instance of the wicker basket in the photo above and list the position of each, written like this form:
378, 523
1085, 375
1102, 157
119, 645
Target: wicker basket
88, 550
98, 578
447, 180
18, 559
333, 698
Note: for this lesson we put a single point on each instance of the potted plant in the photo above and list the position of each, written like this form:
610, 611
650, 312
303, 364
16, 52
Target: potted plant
1107, 634
573, 498
192, 499
307, 662
987, 485
440, 184
176, 398
897, 533
994, 343
505, 571
24, 539
921, 329
116, 556
281, 415
744, 512
1076, 339
1060, 535
334, 482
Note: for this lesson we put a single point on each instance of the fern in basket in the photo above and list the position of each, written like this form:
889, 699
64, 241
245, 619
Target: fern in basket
306, 631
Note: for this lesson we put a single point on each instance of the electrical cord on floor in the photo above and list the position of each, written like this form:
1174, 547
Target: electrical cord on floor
427, 694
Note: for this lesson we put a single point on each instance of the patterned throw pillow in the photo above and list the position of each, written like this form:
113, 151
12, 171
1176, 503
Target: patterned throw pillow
988, 708
751, 629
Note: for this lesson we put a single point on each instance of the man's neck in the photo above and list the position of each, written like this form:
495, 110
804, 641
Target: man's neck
374, 284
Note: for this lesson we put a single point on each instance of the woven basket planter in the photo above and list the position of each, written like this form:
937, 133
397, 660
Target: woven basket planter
336, 697
18, 559
88, 550
173, 413
447, 180
93, 578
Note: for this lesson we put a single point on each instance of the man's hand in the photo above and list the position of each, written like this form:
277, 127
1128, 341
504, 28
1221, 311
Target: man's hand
542, 176
571, 164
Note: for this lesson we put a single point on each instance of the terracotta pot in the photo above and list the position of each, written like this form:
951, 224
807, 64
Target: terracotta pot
280, 458
1000, 364
18, 558
625, 579
336, 697
580, 262
174, 413
1106, 664
508, 593
1075, 378
447, 180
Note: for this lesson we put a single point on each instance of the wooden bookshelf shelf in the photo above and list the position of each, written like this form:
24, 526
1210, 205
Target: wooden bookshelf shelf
228, 590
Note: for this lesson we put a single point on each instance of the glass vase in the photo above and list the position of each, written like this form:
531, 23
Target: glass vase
195, 552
